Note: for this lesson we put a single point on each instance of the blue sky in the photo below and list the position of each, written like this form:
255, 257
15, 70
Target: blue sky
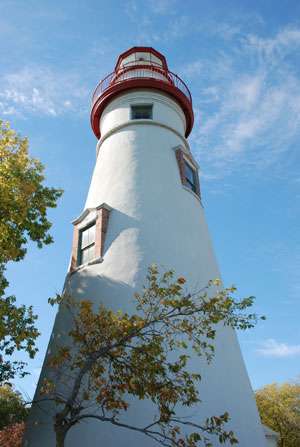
241, 62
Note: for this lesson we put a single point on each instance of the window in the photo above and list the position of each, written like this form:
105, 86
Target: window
188, 171
87, 244
141, 112
88, 241
190, 177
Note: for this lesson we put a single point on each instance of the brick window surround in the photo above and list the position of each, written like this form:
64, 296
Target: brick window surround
101, 222
182, 158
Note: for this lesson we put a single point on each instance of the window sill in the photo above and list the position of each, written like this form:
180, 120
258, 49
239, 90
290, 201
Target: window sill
87, 264
193, 193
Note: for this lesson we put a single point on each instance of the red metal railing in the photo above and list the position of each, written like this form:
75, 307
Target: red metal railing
151, 71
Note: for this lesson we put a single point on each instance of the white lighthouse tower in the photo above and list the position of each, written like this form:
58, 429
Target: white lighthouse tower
144, 206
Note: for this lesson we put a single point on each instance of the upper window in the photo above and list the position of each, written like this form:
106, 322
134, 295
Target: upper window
141, 111
87, 244
190, 177
188, 171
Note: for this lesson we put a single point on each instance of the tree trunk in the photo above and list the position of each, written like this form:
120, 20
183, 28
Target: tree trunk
60, 436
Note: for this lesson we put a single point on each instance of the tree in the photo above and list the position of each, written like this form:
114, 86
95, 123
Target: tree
113, 357
12, 407
13, 412
23, 197
279, 408
12, 436
24, 202
17, 332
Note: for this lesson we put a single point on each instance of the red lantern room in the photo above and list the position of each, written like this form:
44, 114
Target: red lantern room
140, 68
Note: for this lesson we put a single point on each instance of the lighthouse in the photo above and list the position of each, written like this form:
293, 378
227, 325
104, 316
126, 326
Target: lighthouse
144, 206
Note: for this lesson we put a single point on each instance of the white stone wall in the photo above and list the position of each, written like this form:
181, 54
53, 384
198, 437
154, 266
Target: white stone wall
165, 111
271, 442
153, 219
272, 438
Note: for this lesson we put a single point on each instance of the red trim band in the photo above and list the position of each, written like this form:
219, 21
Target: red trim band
141, 83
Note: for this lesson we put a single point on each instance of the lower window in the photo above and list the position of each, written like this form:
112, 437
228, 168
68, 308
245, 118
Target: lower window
87, 244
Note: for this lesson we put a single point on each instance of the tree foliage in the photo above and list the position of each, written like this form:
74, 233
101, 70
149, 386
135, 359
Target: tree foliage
12, 407
12, 435
23, 197
17, 333
24, 202
116, 358
279, 408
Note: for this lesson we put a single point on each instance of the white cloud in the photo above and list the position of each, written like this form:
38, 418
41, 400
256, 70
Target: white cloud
142, 14
176, 28
275, 47
40, 90
134, 8
272, 348
162, 6
193, 69
250, 113
226, 30
210, 94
